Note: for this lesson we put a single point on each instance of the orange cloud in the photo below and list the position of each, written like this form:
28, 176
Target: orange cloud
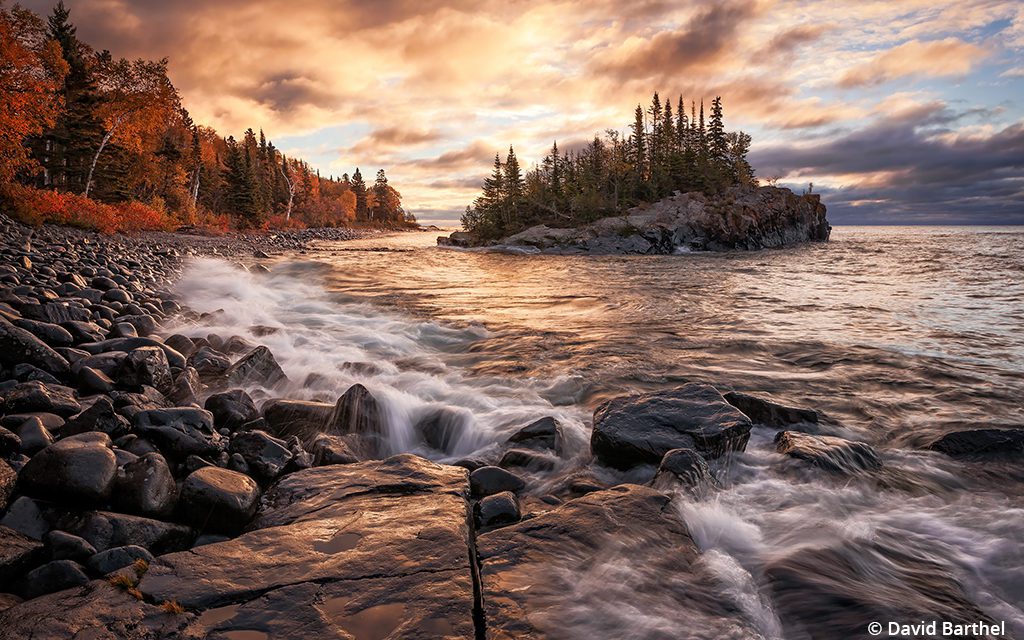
935, 58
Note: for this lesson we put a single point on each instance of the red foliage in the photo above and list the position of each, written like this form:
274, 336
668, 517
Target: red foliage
278, 222
37, 206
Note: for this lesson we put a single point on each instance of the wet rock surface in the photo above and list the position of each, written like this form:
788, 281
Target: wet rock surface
830, 453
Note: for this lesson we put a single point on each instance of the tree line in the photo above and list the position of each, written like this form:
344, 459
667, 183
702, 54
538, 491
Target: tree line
666, 150
91, 127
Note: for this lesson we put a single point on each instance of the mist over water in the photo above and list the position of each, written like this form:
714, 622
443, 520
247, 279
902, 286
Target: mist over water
896, 335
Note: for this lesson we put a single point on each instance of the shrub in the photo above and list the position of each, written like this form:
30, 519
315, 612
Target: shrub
172, 607
279, 222
39, 206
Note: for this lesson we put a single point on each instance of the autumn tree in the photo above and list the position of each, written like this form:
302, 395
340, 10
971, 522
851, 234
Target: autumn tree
31, 73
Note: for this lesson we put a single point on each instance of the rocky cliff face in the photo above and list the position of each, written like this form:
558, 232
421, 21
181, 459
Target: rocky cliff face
739, 219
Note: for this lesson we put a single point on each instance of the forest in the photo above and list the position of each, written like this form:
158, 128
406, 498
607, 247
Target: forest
100, 142
666, 151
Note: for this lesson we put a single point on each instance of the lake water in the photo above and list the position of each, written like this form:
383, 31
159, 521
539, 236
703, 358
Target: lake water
896, 335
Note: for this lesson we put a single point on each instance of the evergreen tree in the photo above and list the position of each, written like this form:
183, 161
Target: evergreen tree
359, 189
380, 210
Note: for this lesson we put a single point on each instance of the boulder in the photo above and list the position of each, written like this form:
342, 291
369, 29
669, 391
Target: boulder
145, 486
642, 428
256, 367
331, 450
18, 345
527, 459
8, 479
685, 469
101, 416
830, 453
265, 455
442, 428
219, 500
376, 549
105, 530
174, 359
307, 420
52, 334
358, 412
186, 388
497, 510
111, 560
487, 481
34, 436
64, 546
25, 516
980, 442
36, 396
55, 575
545, 433
208, 362
9, 442
146, 366
768, 413
73, 471
18, 554
180, 431
231, 409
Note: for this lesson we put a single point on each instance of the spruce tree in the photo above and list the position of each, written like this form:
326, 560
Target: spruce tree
380, 198
359, 189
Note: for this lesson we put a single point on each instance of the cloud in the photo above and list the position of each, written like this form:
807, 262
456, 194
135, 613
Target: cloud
936, 58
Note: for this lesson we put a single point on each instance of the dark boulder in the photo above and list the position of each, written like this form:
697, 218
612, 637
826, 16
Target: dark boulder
265, 455
146, 366
358, 412
770, 414
18, 554
180, 431
641, 429
683, 468
64, 546
56, 575
101, 416
186, 387
25, 372
52, 334
39, 397
497, 510
208, 362
33, 435
94, 381
331, 450
116, 558
174, 359
74, 470
527, 459
146, 487
836, 455
980, 442
8, 480
9, 442
220, 500
545, 433
442, 428
256, 367
231, 409
26, 516
307, 420
487, 481
105, 530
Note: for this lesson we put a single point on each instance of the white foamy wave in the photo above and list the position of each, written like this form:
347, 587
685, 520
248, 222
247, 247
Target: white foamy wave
327, 343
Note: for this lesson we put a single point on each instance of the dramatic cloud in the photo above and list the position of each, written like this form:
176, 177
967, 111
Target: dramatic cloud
899, 110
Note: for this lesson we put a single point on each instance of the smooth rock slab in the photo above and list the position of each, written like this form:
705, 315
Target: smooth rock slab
601, 566
981, 442
337, 551
640, 429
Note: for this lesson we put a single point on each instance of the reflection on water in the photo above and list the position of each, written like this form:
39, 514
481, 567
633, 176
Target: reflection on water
895, 335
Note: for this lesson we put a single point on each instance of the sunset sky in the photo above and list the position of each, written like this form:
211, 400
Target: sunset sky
898, 111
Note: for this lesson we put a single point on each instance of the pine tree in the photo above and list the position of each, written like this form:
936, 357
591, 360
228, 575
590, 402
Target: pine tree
514, 185
380, 210
359, 188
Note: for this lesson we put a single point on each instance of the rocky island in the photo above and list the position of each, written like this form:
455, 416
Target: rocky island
740, 219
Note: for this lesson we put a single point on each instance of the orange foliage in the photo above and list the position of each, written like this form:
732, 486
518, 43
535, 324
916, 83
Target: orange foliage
278, 222
37, 206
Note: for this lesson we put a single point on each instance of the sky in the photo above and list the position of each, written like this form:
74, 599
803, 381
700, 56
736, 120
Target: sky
898, 111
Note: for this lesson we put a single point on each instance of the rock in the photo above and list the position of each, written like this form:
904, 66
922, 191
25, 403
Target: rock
111, 560
462, 239
357, 412
624, 547
208, 362
37, 396
980, 442
527, 459
56, 575
8, 600
768, 413
341, 551
181, 344
8, 479
186, 388
25, 372
256, 367
34, 436
181, 431
487, 481
83, 331
442, 428
683, 468
307, 420
220, 500
817, 588
174, 359
265, 455
18, 554
830, 453
146, 366
72, 471
94, 380
146, 487
331, 450
9, 442
25, 517
64, 546
52, 334
639, 429
497, 510
105, 530
18, 345
101, 417
540, 434
231, 409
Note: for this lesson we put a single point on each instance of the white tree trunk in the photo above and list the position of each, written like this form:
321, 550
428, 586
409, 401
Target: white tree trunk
291, 194
95, 158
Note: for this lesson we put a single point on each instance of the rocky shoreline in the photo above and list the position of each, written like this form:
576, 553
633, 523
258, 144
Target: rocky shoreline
741, 219
145, 493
